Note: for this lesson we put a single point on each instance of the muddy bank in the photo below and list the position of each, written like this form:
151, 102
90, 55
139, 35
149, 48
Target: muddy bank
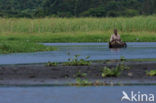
41, 74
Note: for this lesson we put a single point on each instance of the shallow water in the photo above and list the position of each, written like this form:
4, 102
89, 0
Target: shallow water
97, 51
71, 94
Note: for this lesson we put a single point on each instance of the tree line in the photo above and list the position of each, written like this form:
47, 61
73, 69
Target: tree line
76, 8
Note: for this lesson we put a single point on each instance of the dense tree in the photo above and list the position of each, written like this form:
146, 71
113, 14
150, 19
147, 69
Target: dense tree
76, 8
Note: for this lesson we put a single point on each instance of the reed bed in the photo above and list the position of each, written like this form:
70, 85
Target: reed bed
57, 25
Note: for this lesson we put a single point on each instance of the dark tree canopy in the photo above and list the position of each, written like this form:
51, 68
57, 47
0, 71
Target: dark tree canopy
76, 8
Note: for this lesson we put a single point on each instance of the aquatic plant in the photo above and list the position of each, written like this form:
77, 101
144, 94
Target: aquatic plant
76, 61
107, 72
82, 82
22, 46
151, 73
114, 72
86, 82
52, 64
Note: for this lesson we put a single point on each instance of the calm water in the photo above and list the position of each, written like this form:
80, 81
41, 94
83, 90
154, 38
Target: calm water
70, 94
97, 51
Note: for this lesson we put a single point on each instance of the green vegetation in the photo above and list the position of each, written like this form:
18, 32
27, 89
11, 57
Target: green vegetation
76, 8
135, 20
81, 79
70, 25
114, 72
18, 47
143, 60
82, 82
52, 64
151, 73
135, 29
32, 31
77, 62
107, 72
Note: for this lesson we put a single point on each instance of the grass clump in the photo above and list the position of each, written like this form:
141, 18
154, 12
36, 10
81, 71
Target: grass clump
107, 72
151, 73
114, 72
20, 47
77, 62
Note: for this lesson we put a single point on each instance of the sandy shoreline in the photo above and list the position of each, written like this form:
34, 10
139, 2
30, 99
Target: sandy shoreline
40, 74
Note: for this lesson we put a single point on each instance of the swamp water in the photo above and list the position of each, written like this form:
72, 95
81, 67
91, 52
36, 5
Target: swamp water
97, 51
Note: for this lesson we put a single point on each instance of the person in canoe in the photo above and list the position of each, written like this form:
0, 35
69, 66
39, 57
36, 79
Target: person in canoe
115, 41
